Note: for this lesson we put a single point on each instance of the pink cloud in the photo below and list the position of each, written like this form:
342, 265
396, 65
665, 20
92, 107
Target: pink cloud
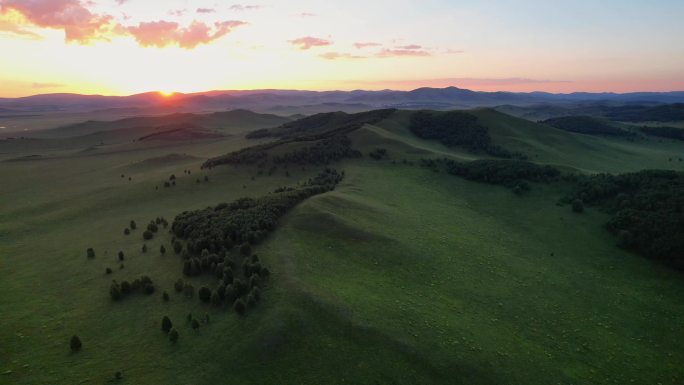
79, 24
340, 55
205, 10
410, 47
401, 52
164, 33
309, 42
361, 45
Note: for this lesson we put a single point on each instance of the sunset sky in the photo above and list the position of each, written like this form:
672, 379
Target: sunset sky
123, 47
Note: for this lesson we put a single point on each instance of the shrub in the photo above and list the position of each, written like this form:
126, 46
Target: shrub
251, 300
165, 296
240, 306
204, 294
215, 298
195, 325
178, 285
229, 294
162, 249
133, 225
115, 291
108, 271
144, 248
166, 324
90, 253
121, 256
147, 235
173, 335
577, 206
126, 288
246, 249
127, 231
75, 344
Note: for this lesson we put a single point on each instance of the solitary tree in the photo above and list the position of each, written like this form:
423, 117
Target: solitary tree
246, 249
127, 231
162, 249
166, 324
239, 306
165, 296
215, 298
173, 335
133, 225
91, 253
577, 206
144, 248
121, 256
75, 344
204, 294
195, 324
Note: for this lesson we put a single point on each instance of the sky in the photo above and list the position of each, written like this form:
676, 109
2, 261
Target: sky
123, 47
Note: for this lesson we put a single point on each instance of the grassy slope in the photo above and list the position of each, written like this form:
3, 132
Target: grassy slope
399, 276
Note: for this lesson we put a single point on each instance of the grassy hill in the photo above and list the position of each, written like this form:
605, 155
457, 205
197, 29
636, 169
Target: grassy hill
401, 275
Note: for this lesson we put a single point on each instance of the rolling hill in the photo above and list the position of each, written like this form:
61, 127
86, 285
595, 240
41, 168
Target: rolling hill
401, 273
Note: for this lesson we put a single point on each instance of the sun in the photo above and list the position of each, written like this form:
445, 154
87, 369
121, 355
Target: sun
166, 94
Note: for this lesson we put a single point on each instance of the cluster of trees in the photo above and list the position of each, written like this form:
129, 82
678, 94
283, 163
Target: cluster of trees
324, 151
246, 219
586, 125
637, 113
378, 153
328, 123
120, 290
153, 227
510, 173
326, 130
457, 129
664, 132
647, 210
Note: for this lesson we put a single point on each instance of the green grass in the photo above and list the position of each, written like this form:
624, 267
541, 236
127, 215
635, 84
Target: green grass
399, 276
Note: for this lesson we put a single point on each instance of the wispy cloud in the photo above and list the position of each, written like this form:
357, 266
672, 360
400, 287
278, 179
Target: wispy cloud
205, 10
243, 7
409, 47
385, 53
306, 14
340, 55
308, 42
361, 45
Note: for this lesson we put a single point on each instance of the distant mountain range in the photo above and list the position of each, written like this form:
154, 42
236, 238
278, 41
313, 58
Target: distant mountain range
293, 101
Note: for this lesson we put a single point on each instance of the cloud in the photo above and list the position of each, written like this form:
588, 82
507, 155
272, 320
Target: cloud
164, 33
340, 55
178, 12
79, 24
306, 14
409, 47
361, 45
10, 27
401, 52
241, 7
205, 10
309, 42
121, 2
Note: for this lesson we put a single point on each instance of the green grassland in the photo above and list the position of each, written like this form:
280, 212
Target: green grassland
399, 276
